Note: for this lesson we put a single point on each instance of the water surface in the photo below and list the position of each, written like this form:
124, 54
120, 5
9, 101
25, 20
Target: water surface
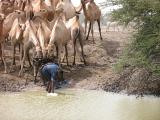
77, 105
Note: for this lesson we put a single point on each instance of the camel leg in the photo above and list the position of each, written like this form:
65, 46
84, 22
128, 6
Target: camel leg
88, 31
35, 73
81, 44
3, 58
74, 44
29, 61
92, 32
57, 50
19, 45
108, 27
99, 25
22, 63
66, 52
13, 58
14, 52
85, 26
21, 52
63, 58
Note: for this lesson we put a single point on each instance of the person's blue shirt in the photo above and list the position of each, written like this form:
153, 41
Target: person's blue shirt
49, 71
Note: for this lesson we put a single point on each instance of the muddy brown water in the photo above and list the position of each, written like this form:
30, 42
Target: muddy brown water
73, 104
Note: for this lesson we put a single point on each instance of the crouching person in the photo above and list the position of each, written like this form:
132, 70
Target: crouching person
51, 73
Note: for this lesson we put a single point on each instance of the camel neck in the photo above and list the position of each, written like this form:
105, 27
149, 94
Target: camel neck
1, 26
28, 2
84, 8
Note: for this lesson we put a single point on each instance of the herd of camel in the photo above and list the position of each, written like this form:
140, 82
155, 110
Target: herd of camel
46, 27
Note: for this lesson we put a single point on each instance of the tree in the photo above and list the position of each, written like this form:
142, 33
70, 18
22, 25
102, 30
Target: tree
145, 48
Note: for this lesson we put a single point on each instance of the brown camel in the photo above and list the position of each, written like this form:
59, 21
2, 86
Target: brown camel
92, 13
52, 3
27, 7
2, 43
6, 7
60, 37
8, 22
69, 10
43, 34
30, 40
77, 32
39, 5
16, 37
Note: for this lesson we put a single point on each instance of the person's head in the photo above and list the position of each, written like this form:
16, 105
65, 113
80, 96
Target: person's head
60, 75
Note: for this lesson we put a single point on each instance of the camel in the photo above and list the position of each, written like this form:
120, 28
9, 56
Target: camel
69, 10
59, 37
77, 32
27, 7
30, 40
2, 43
113, 25
52, 3
16, 36
39, 5
92, 13
42, 13
8, 22
43, 34
6, 7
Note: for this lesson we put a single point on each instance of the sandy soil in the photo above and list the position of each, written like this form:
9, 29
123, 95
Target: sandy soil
99, 56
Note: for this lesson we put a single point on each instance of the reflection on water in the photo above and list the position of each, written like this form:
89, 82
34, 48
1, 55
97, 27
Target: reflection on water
77, 105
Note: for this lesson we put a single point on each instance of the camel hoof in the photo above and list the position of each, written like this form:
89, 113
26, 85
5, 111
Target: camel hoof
73, 63
20, 74
35, 81
11, 70
85, 63
5, 72
86, 38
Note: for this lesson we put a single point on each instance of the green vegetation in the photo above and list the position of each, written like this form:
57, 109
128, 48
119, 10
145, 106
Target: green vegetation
145, 47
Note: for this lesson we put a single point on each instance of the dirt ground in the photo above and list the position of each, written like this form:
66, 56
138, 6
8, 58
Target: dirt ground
98, 74
99, 56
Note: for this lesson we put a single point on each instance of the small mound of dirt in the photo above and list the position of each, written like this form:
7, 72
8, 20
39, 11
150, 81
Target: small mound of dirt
135, 81
11, 85
96, 55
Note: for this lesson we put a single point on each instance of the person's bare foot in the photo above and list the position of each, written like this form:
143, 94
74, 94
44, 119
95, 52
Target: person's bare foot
52, 94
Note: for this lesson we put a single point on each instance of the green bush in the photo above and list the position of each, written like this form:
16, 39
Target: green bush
146, 41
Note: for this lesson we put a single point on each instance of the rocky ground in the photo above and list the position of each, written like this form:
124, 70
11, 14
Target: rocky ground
98, 74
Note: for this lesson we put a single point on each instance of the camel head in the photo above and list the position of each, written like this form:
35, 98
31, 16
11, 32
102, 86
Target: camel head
45, 52
4, 5
59, 11
60, 7
50, 51
38, 53
22, 26
2, 17
19, 13
43, 13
